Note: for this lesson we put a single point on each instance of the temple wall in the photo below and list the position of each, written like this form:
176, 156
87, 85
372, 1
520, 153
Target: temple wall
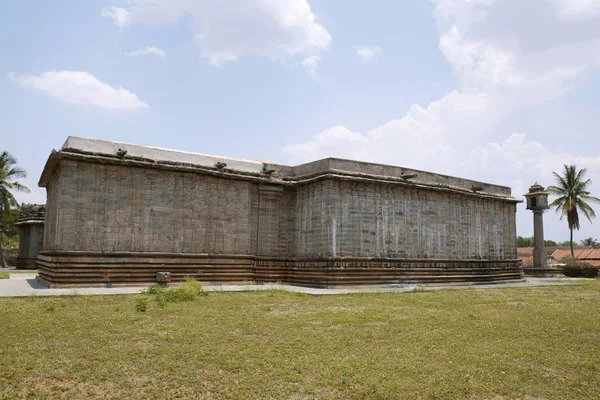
113, 208
337, 218
53, 220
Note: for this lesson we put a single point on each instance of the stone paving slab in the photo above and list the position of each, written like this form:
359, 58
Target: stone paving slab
23, 285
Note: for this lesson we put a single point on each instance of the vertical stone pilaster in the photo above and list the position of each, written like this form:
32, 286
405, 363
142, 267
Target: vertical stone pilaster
269, 199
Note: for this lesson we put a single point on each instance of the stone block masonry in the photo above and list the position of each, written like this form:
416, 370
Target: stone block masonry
118, 213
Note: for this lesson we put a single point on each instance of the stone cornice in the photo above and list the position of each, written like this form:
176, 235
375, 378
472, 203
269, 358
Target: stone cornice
271, 178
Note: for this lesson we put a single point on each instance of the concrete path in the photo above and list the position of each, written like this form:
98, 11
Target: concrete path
23, 285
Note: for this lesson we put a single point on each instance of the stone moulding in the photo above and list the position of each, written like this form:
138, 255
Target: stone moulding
101, 269
118, 213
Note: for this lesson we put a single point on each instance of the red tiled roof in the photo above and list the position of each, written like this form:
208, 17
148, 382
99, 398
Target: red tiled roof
580, 252
591, 256
526, 255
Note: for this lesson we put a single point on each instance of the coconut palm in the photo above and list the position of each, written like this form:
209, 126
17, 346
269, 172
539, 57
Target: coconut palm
9, 171
590, 242
573, 197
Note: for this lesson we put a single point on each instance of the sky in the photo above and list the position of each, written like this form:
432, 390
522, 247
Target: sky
502, 91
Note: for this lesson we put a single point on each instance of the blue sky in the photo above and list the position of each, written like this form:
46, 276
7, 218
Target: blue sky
501, 91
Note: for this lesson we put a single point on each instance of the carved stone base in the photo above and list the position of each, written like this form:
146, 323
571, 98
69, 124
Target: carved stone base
71, 269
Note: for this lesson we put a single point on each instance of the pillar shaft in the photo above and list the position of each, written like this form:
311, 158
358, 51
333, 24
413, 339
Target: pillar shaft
539, 252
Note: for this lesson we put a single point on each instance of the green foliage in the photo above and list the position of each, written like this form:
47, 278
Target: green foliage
9, 242
4, 275
189, 290
528, 242
141, 305
9, 171
590, 242
154, 289
524, 241
8, 222
575, 268
573, 197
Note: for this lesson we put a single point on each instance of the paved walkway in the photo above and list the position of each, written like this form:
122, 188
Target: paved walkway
22, 285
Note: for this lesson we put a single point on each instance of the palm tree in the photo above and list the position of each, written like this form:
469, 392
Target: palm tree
572, 198
590, 242
9, 171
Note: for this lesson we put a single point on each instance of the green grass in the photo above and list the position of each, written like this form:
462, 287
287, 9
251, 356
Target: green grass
525, 343
4, 275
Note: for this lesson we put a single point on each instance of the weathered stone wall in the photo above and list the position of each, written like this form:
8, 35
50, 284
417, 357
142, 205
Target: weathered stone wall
347, 219
53, 206
113, 208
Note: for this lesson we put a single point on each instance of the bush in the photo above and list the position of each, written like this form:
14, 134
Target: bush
575, 268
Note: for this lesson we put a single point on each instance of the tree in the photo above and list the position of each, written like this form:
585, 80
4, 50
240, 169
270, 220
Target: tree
9, 171
524, 241
8, 226
590, 242
573, 197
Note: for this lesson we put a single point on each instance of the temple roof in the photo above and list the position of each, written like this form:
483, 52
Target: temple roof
32, 213
148, 156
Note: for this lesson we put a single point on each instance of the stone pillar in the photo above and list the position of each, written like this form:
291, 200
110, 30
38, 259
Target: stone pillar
537, 201
539, 251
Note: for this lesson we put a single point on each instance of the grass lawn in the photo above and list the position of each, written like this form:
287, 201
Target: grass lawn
528, 343
4, 275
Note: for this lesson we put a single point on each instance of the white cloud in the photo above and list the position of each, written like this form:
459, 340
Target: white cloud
338, 141
81, 88
500, 68
504, 60
368, 53
311, 64
227, 30
577, 9
120, 16
148, 50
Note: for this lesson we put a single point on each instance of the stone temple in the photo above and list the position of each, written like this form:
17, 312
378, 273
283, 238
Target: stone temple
31, 234
117, 214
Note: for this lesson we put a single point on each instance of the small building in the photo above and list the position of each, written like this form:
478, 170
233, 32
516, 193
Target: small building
119, 213
31, 234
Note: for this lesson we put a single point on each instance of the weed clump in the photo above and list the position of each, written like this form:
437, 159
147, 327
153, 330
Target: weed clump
189, 290
141, 305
